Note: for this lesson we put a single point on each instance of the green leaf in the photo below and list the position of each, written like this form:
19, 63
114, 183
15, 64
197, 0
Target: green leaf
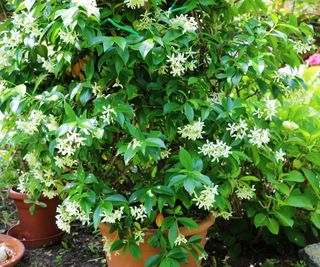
313, 180
169, 107
96, 217
284, 217
145, 47
163, 190
116, 198
155, 142
188, 111
188, 222
259, 219
185, 159
294, 176
135, 251
272, 225
173, 233
315, 219
69, 111
116, 245
299, 201
153, 260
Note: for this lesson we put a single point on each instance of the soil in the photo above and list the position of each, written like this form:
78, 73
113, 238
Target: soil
83, 248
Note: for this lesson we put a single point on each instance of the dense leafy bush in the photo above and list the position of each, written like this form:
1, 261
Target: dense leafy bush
147, 114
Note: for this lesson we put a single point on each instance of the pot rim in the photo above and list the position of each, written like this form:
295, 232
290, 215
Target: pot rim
16, 195
204, 225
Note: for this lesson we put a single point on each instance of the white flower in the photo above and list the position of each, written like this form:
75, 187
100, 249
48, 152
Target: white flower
206, 199
145, 22
89, 5
177, 62
280, 155
245, 192
63, 162
290, 125
139, 237
111, 217
63, 220
52, 125
188, 24
75, 138
68, 37
108, 115
165, 153
134, 3
192, 131
32, 160
98, 133
181, 239
215, 151
64, 147
258, 112
238, 131
139, 213
107, 244
259, 137
134, 144
49, 193
216, 98
97, 90
271, 108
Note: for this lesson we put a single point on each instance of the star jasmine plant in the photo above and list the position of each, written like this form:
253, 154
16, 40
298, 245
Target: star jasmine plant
155, 115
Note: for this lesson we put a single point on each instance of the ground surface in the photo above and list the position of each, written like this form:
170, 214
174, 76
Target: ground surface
83, 248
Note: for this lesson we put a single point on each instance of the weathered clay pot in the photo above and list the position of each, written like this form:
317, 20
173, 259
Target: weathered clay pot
126, 260
16, 246
38, 229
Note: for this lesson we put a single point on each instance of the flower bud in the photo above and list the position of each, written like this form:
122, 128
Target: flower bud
290, 125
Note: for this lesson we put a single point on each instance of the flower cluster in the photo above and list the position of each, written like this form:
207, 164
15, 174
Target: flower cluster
192, 131
245, 192
139, 236
139, 213
179, 62
134, 3
215, 150
280, 155
238, 130
111, 217
68, 145
188, 24
181, 239
89, 5
68, 212
30, 126
206, 199
259, 137
108, 115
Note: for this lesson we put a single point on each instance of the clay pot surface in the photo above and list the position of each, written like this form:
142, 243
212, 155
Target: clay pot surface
16, 246
40, 226
126, 260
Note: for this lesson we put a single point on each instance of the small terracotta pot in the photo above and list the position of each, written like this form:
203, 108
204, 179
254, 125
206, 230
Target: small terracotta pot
126, 260
41, 226
16, 246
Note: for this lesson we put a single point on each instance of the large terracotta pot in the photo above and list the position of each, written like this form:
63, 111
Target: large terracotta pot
126, 260
39, 228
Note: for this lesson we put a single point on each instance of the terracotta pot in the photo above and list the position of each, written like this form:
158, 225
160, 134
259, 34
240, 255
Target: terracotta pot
41, 226
126, 260
16, 246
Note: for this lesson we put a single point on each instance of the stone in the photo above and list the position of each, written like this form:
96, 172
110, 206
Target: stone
311, 255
